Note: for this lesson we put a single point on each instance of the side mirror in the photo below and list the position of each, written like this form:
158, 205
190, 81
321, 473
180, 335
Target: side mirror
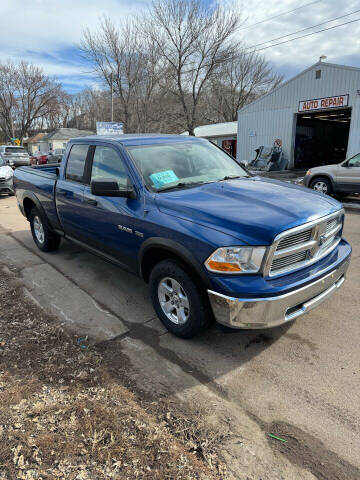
110, 188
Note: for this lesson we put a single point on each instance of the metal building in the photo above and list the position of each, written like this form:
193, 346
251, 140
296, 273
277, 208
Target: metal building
313, 117
222, 134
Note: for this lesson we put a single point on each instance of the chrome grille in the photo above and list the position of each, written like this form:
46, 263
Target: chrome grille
283, 262
301, 246
330, 224
294, 239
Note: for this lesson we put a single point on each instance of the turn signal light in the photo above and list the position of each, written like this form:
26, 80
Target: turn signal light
223, 267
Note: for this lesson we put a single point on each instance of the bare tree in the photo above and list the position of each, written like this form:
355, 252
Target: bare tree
238, 82
193, 43
118, 56
87, 106
27, 95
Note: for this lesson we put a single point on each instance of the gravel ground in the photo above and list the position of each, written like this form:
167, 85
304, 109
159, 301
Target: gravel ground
67, 415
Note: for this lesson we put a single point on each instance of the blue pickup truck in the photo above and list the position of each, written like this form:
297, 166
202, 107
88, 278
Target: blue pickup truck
210, 239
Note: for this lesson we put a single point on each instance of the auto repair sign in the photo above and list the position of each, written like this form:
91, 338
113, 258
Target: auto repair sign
321, 103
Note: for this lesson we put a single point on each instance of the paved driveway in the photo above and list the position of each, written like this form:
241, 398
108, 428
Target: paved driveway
301, 380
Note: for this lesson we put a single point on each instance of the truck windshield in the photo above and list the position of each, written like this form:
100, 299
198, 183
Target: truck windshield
180, 165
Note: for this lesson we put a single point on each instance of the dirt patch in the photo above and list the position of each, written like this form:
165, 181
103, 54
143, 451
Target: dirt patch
262, 338
307, 451
310, 453
66, 414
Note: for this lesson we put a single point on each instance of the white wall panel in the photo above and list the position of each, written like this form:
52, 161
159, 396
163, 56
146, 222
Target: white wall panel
272, 116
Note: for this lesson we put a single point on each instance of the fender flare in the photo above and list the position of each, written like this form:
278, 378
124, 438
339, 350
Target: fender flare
31, 196
176, 248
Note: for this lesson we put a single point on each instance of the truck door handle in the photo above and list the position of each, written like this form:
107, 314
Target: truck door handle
91, 201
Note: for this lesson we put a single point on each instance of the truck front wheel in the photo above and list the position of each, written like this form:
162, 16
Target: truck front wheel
178, 301
45, 239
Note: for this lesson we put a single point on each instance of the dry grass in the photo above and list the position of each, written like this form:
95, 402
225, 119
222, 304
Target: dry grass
64, 414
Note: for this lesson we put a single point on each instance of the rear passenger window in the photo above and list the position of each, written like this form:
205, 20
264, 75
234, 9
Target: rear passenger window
108, 164
76, 163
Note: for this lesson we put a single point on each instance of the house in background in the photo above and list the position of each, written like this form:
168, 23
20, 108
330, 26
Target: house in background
222, 134
32, 144
60, 137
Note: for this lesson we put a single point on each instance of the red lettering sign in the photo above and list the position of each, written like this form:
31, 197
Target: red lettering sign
327, 102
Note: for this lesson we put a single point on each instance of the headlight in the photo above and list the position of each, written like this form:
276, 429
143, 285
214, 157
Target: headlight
236, 260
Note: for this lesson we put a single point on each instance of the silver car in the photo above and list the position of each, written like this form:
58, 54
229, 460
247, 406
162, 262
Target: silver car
341, 178
56, 155
14, 156
6, 178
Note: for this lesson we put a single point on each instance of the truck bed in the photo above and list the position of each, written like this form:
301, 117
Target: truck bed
40, 181
47, 171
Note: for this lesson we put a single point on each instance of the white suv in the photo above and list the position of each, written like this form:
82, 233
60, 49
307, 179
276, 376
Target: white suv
14, 156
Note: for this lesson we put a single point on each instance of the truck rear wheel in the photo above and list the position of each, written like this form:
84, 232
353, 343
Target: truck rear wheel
179, 303
45, 239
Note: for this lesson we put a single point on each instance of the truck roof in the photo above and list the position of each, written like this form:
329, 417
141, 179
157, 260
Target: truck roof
137, 138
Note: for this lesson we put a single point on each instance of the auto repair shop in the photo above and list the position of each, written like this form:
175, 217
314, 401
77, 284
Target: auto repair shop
314, 117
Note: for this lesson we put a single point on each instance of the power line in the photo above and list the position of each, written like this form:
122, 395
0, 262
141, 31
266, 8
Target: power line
299, 31
280, 15
303, 36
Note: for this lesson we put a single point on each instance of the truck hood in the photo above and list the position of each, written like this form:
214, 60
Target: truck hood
253, 210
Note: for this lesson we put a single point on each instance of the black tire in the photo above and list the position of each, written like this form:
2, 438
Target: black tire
321, 180
199, 312
51, 241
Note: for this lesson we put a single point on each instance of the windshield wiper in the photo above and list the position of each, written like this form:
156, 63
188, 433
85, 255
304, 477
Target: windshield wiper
180, 185
231, 177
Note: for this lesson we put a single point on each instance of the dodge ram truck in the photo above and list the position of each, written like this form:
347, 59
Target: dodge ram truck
210, 239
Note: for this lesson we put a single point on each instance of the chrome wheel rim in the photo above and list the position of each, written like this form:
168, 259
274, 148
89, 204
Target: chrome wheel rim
38, 230
320, 187
173, 301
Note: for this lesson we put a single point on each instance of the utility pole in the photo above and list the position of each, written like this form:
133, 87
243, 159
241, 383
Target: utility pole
112, 97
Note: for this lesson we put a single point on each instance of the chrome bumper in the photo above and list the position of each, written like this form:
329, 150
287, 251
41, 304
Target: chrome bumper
273, 311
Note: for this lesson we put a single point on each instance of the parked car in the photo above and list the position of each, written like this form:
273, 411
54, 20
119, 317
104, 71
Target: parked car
14, 156
6, 178
209, 238
56, 155
342, 178
40, 158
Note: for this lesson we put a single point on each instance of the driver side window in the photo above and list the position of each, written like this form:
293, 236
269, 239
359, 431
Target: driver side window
354, 161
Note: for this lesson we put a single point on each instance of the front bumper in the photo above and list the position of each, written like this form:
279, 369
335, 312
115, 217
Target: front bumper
270, 312
6, 186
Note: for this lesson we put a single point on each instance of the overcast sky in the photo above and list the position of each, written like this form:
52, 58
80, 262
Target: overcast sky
46, 32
